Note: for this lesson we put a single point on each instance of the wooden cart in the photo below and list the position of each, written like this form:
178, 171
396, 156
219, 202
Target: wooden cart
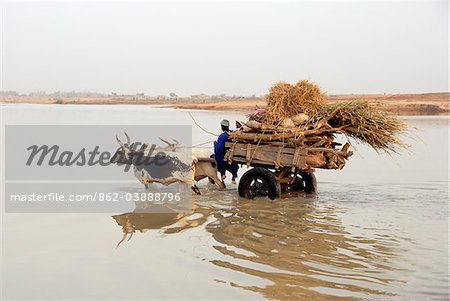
278, 167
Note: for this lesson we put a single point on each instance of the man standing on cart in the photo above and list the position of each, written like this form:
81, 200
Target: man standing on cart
220, 150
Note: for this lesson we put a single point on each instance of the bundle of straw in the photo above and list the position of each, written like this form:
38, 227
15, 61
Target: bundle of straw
359, 120
356, 119
286, 100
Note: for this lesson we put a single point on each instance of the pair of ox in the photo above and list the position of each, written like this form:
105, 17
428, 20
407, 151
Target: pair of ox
166, 165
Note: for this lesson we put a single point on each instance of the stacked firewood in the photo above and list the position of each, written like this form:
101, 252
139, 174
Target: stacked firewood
305, 147
298, 129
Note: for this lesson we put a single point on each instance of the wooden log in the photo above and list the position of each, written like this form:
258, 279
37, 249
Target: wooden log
315, 161
259, 126
271, 157
294, 133
345, 148
243, 127
263, 147
323, 141
326, 150
312, 161
240, 135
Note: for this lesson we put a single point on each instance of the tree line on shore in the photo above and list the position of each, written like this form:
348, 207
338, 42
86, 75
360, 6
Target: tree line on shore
87, 94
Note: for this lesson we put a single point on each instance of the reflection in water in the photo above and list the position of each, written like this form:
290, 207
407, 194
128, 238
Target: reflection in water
149, 215
142, 222
304, 250
298, 244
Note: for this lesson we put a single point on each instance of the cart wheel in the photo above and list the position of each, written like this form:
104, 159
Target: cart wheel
309, 182
259, 182
305, 181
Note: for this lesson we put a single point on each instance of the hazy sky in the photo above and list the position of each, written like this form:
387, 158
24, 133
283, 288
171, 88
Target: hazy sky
238, 47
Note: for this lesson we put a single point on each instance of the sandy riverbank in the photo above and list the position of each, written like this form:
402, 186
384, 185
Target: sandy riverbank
399, 104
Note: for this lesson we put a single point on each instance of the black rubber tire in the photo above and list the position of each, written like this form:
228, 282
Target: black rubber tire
305, 181
309, 182
297, 185
259, 182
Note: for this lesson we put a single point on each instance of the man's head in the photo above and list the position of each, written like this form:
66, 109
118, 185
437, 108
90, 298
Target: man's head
225, 124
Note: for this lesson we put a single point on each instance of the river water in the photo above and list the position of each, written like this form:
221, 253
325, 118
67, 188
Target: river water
377, 230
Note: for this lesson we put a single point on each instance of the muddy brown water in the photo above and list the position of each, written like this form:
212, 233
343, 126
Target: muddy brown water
377, 230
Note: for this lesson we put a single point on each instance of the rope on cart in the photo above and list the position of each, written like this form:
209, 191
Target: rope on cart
200, 144
196, 123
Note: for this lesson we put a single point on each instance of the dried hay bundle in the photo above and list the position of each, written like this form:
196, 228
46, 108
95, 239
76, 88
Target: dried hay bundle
359, 120
286, 100
302, 110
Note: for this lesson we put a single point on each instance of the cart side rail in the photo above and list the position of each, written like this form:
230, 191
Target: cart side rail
282, 157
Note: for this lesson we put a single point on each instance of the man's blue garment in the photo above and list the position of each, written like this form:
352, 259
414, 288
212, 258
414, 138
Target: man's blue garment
219, 152
219, 148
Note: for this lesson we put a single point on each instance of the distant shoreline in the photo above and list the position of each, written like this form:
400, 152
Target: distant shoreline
398, 104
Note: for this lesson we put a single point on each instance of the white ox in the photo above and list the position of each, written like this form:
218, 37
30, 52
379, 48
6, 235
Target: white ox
167, 165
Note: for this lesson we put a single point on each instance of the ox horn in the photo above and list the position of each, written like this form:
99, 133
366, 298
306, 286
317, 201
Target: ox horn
128, 138
121, 143
165, 141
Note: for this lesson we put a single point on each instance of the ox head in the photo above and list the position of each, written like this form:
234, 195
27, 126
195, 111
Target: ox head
170, 146
124, 154
131, 153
